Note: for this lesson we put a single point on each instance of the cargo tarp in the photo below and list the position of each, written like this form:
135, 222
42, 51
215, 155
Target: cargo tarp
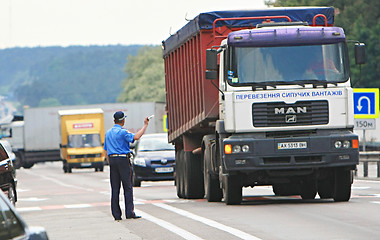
206, 20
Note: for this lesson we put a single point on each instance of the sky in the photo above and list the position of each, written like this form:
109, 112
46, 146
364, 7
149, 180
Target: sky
33, 23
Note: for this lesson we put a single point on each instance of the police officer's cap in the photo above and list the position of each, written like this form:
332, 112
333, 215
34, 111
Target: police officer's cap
119, 115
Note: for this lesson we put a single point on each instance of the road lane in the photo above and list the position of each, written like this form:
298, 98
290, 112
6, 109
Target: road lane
78, 203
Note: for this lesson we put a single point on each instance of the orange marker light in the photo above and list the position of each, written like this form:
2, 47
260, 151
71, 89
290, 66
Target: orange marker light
355, 143
228, 149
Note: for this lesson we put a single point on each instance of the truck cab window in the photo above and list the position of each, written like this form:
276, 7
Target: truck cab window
289, 64
84, 140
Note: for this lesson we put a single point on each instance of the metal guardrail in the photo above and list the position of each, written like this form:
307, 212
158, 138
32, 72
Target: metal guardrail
367, 157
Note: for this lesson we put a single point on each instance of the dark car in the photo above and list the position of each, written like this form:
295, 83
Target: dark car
154, 159
8, 179
13, 227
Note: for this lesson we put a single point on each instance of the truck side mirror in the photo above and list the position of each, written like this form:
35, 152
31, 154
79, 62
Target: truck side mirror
359, 53
211, 64
211, 59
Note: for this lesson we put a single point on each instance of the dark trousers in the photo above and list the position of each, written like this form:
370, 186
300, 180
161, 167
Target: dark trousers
121, 172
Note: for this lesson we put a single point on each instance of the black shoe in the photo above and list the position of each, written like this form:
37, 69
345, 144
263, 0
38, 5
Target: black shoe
117, 219
134, 217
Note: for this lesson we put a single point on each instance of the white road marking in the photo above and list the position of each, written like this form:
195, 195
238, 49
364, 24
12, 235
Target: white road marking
59, 182
174, 229
28, 209
211, 223
31, 199
78, 206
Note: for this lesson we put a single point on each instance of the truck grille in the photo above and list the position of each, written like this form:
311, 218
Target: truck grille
300, 113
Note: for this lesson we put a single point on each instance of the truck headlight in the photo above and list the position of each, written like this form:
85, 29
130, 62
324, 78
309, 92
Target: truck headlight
245, 148
236, 149
346, 144
139, 162
338, 144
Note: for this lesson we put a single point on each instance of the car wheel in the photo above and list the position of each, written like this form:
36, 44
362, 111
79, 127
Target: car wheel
12, 194
136, 182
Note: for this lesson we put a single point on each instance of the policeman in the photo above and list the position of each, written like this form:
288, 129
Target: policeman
116, 146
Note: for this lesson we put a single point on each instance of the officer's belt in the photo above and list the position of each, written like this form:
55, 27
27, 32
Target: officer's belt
119, 155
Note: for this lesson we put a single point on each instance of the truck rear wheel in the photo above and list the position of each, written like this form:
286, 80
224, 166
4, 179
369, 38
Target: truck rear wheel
326, 188
342, 188
193, 183
28, 165
179, 173
308, 189
232, 190
211, 182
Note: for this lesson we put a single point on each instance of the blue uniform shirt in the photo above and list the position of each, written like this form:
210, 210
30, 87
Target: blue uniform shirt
117, 140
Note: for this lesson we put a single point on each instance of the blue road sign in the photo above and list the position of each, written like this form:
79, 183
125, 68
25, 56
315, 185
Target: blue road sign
366, 102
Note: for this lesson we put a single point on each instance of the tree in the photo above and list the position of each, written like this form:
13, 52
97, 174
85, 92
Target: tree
360, 20
146, 77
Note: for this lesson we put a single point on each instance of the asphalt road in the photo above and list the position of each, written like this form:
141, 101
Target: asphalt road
76, 206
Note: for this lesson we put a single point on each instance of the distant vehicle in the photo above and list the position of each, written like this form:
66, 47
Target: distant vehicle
154, 159
13, 227
82, 138
8, 179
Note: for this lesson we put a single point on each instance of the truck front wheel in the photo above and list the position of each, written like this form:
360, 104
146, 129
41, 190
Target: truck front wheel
232, 190
342, 188
211, 182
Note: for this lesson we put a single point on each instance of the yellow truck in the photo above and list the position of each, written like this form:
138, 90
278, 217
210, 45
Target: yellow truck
82, 139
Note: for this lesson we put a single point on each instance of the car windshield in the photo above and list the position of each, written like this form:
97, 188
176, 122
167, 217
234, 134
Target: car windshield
288, 64
154, 144
84, 140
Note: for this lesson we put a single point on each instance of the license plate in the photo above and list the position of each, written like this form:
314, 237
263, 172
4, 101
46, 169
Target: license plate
292, 145
164, 170
85, 164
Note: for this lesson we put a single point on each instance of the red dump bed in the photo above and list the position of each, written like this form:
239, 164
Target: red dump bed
192, 101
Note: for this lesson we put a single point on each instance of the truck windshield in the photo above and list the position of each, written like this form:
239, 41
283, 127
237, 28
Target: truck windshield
84, 140
288, 64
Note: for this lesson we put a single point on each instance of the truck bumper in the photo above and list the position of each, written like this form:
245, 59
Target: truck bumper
292, 153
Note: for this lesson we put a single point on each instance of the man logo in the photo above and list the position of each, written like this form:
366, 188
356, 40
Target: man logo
290, 118
290, 110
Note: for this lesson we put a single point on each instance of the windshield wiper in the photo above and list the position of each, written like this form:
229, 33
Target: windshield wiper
317, 83
263, 86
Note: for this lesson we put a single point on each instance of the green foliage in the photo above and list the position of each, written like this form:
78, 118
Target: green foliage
63, 76
146, 78
360, 20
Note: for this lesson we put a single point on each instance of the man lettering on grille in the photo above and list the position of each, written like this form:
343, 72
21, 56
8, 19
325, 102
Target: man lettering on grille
116, 146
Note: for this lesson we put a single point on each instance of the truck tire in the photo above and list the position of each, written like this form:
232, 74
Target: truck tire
211, 183
193, 176
179, 174
19, 159
28, 165
326, 188
308, 189
342, 186
232, 190
286, 189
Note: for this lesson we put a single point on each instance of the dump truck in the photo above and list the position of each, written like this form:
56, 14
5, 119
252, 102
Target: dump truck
82, 139
261, 97
36, 138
